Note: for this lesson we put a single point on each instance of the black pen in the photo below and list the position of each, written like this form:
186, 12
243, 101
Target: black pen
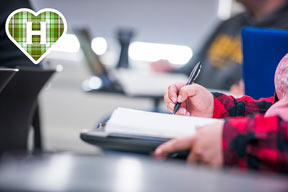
192, 77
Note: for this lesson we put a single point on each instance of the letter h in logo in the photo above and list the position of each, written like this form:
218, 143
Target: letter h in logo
30, 32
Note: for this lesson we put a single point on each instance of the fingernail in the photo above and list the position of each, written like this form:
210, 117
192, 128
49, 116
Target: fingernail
158, 151
171, 105
179, 98
188, 113
182, 111
174, 99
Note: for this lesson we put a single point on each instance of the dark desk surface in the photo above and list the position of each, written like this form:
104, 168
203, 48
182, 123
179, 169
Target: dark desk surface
68, 172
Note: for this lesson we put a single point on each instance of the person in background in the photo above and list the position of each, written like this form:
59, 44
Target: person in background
258, 141
10, 55
221, 55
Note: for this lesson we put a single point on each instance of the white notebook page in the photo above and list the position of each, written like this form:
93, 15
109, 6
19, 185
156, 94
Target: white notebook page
136, 122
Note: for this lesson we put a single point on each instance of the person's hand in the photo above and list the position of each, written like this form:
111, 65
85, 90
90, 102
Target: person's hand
161, 66
205, 146
196, 100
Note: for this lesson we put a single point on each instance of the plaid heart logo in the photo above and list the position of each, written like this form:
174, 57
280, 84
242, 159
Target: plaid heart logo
35, 33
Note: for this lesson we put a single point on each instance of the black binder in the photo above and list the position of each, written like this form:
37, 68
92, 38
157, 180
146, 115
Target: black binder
127, 143
121, 142
130, 130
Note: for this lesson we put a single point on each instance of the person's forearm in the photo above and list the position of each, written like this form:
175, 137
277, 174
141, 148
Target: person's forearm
228, 106
256, 142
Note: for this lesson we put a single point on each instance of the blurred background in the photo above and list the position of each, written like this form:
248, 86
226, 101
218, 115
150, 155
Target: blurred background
178, 25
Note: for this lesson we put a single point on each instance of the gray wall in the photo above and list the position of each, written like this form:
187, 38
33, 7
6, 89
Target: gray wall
165, 21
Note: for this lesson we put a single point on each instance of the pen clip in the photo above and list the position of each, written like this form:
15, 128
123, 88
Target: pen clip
196, 70
199, 69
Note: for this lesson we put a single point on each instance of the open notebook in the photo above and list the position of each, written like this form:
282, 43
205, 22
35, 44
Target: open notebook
138, 131
136, 122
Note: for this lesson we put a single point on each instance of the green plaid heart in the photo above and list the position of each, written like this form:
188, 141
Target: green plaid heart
35, 33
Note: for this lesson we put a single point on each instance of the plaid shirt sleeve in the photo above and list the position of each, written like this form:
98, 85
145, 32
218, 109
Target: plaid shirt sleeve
228, 106
256, 142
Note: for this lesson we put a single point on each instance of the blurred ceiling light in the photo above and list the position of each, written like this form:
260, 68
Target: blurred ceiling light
68, 43
224, 9
99, 45
151, 52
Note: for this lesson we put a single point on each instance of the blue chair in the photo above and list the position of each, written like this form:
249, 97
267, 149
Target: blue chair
262, 51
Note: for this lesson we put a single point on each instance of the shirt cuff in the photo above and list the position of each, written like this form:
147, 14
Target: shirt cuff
219, 109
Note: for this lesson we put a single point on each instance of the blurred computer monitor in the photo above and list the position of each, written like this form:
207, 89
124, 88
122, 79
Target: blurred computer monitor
93, 61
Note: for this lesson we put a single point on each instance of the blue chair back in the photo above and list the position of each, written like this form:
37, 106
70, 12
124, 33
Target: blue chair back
262, 51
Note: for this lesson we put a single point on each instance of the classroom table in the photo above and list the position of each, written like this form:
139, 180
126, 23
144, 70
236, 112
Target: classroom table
156, 99
122, 173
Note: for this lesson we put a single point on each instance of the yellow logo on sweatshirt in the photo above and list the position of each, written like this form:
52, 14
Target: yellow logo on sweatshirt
225, 50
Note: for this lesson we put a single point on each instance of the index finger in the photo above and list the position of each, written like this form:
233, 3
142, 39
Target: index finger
174, 146
174, 89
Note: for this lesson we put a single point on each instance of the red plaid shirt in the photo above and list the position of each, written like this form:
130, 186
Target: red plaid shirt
252, 142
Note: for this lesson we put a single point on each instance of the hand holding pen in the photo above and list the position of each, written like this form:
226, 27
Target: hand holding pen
195, 99
192, 77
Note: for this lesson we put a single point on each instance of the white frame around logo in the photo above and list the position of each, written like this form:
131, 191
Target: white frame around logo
35, 14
